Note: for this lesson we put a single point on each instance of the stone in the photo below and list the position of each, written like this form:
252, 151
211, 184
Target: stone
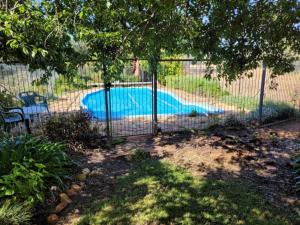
54, 188
71, 192
65, 198
76, 187
60, 207
52, 219
81, 176
86, 171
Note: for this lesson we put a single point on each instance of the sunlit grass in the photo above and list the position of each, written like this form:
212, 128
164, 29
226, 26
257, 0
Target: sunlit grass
159, 193
196, 85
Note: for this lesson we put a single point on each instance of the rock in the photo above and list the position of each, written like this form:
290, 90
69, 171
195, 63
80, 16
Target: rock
86, 171
65, 198
76, 187
54, 188
52, 219
81, 176
60, 207
76, 211
71, 192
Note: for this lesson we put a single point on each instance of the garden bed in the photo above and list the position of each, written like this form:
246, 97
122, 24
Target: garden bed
226, 177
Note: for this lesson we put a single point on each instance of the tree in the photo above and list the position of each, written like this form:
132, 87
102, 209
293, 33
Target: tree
35, 33
239, 35
236, 36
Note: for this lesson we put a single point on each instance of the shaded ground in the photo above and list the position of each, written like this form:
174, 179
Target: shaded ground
261, 158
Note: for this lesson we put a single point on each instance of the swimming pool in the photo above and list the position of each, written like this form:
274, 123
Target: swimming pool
137, 101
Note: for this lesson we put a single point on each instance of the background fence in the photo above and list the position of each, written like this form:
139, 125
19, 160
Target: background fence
185, 99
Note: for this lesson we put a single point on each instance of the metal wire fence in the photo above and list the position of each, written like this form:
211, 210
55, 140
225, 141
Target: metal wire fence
183, 96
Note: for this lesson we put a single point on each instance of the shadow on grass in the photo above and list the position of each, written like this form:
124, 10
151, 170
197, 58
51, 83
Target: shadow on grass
159, 193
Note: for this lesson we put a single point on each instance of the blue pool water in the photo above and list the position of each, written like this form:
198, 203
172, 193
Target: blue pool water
138, 102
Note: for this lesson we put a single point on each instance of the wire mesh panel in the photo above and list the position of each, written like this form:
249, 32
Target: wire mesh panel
195, 101
60, 94
186, 99
130, 100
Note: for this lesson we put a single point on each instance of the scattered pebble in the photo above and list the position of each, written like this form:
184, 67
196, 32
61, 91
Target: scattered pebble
52, 218
60, 207
65, 198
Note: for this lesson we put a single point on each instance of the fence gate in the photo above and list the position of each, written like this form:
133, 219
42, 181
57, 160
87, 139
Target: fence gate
129, 102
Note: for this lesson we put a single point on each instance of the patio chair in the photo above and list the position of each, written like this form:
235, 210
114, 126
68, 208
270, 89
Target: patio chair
13, 115
33, 103
31, 98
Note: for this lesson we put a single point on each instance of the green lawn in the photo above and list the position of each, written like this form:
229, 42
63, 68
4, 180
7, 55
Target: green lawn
241, 102
210, 88
199, 85
159, 193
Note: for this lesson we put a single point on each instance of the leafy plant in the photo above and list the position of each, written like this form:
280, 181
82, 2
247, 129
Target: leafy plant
26, 163
6, 98
25, 182
14, 214
168, 68
193, 113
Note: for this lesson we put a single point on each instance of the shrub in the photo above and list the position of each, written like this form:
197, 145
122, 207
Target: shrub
70, 128
193, 113
284, 110
167, 69
14, 214
26, 163
273, 111
7, 99
232, 121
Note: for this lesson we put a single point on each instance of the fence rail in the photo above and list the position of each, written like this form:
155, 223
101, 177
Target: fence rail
178, 97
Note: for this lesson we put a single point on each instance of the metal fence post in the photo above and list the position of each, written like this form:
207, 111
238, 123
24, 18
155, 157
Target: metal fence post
262, 93
153, 66
106, 89
155, 120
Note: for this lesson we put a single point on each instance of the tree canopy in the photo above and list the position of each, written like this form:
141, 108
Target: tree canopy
235, 37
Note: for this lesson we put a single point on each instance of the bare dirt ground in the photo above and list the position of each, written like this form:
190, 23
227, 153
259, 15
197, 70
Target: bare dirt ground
261, 158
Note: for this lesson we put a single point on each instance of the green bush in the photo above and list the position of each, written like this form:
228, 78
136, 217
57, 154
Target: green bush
234, 122
28, 166
7, 99
192, 84
70, 128
166, 69
25, 182
14, 214
273, 111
